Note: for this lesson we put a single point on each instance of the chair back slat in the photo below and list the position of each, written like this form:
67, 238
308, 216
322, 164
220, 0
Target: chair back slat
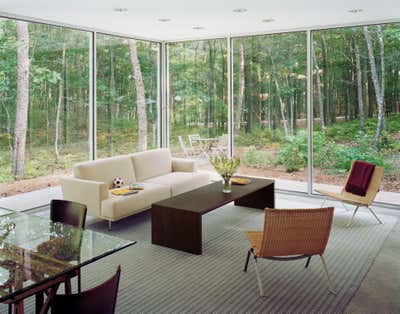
296, 231
101, 299
68, 212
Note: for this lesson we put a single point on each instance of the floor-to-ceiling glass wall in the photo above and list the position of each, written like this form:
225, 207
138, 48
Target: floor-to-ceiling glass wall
198, 110
126, 91
44, 95
356, 104
270, 107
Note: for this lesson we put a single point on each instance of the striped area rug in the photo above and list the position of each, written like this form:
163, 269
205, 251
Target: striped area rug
160, 280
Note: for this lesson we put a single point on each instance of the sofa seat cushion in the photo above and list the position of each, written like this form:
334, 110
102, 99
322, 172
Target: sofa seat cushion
105, 170
181, 182
151, 163
116, 207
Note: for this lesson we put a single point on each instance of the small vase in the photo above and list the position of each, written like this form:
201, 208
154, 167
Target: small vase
227, 185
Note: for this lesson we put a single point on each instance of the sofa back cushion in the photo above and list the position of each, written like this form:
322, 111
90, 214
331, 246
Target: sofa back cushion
105, 170
152, 163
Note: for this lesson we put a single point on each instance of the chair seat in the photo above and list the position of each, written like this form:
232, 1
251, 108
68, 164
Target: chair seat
345, 197
255, 239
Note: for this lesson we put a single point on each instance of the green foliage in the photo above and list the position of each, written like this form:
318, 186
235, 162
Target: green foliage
257, 158
293, 154
328, 155
259, 137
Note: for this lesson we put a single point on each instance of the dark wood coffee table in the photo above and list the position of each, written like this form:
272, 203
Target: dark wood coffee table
177, 221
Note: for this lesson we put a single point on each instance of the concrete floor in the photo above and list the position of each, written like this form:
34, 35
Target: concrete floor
380, 290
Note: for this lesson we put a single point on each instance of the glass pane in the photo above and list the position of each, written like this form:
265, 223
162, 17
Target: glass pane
356, 85
44, 95
41, 250
270, 107
126, 95
198, 104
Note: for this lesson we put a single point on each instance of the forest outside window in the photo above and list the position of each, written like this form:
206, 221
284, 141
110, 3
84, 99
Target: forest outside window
44, 104
356, 103
198, 108
127, 86
270, 107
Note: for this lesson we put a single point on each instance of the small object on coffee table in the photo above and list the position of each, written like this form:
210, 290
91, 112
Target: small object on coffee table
240, 181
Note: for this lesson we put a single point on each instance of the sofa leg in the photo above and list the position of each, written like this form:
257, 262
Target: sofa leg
109, 225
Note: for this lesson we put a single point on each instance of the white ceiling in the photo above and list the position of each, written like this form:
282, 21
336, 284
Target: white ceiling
216, 16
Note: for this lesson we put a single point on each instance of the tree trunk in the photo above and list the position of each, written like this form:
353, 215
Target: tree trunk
111, 104
320, 99
60, 102
377, 87
278, 92
140, 97
21, 117
239, 107
359, 87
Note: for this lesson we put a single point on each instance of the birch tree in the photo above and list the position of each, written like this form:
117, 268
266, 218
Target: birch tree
240, 94
319, 93
21, 118
359, 87
379, 89
59, 105
140, 97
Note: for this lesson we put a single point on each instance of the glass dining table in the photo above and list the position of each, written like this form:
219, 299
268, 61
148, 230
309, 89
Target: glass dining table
37, 255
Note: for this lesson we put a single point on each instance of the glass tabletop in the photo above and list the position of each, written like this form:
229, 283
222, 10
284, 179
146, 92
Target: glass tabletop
34, 250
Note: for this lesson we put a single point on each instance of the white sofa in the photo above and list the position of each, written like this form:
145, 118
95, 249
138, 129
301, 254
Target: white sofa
161, 175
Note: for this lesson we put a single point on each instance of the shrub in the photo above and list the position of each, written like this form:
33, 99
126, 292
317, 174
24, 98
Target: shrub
293, 154
257, 158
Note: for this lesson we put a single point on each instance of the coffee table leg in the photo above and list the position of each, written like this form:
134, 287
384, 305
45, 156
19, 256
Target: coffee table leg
259, 199
176, 229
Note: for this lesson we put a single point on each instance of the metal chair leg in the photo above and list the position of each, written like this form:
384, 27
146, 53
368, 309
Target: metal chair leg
258, 278
330, 287
373, 213
247, 260
109, 225
352, 217
344, 206
308, 262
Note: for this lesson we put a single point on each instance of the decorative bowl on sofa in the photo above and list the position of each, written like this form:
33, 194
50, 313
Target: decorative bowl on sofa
162, 176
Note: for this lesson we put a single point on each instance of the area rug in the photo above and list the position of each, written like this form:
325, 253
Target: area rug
155, 279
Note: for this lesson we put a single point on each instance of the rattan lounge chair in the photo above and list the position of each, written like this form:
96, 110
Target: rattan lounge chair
291, 234
356, 200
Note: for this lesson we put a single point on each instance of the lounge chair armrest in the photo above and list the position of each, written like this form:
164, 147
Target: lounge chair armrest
183, 165
89, 193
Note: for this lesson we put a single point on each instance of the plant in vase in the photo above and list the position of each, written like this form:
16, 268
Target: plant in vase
226, 167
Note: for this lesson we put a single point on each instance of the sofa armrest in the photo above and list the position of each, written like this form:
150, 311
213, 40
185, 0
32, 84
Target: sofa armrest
89, 193
183, 165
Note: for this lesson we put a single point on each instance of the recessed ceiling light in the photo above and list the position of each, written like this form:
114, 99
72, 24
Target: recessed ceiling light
240, 10
121, 9
164, 19
355, 10
198, 27
268, 20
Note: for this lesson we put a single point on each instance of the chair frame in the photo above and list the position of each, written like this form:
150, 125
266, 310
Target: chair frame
272, 245
285, 259
358, 201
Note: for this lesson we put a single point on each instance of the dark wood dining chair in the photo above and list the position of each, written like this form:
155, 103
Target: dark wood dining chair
68, 212
73, 214
101, 299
